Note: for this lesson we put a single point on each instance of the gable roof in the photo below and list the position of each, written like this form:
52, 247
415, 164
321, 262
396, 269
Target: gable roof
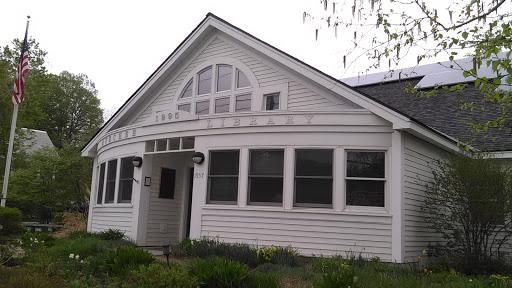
442, 111
211, 24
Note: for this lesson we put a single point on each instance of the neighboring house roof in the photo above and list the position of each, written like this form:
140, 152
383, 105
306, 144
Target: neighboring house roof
213, 24
442, 111
37, 139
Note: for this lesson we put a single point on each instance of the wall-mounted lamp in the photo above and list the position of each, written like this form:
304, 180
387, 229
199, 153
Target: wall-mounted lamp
137, 161
198, 158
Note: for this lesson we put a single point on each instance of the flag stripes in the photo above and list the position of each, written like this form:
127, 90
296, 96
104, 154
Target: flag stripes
18, 93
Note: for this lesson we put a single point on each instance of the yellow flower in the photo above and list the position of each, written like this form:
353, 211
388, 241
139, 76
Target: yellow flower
425, 270
419, 257
424, 252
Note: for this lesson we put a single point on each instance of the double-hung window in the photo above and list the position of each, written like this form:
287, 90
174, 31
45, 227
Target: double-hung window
111, 181
101, 184
365, 178
125, 181
313, 177
223, 177
266, 177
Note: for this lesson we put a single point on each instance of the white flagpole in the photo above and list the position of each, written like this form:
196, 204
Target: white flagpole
11, 138
9, 155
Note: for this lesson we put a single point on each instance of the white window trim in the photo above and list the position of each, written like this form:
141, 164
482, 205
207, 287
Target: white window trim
353, 208
214, 64
247, 191
333, 177
227, 203
117, 184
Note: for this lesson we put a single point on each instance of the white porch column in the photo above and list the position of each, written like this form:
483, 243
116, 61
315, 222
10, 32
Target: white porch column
140, 199
94, 192
396, 197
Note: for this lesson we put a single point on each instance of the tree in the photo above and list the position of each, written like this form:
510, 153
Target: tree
73, 109
469, 203
67, 107
396, 30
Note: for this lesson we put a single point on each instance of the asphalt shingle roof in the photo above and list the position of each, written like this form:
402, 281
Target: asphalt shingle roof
444, 112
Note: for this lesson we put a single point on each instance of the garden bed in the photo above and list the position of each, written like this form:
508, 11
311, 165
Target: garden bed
82, 259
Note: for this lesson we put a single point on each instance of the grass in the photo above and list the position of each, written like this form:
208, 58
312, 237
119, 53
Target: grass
80, 260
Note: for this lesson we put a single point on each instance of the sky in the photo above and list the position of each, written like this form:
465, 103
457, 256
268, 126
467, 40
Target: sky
118, 44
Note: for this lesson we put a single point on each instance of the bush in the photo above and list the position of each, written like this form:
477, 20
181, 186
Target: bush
286, 256
342, 277
125, 259
10, 221
219, 272
257, 280
159, 275
111, 234
80, 235
469, 203
208, 248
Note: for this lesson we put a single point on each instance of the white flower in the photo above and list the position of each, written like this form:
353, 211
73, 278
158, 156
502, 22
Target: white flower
81, 261
71, 256
35, 241
77, 256
31, 239
42, 241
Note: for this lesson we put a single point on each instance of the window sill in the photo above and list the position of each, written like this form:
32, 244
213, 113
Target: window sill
359, 212
114, 205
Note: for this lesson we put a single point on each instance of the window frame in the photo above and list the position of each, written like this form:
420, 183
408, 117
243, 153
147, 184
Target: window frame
116, 182
332, 178
282, 176
127, 161
385, 179
208, 184
100, 188
266, 96
232, 93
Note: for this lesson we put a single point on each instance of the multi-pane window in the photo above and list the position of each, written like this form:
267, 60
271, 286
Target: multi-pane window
365, 178
111, 181
272, 101
266, 176
223, 176
243, 103
125, 181
222, 105
224, 73
313, 177
241, 80
101, 183
184, 107
187, 92
230, 87
202, 107
204, 81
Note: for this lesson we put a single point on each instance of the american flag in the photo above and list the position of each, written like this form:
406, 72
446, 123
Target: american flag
18, 92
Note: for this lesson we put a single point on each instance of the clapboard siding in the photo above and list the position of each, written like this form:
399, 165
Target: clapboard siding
111, 217
299, 97
165, 213
418, 156
310, 232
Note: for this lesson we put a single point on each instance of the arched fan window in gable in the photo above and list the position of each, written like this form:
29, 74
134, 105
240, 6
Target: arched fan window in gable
216, 89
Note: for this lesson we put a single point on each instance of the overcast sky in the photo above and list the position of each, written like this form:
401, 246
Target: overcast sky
118, 44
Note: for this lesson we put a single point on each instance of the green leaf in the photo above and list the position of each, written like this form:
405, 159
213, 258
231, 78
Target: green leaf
465, 35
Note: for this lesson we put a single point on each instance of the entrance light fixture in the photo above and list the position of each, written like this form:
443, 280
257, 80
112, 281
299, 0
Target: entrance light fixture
137, 161
198, 158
